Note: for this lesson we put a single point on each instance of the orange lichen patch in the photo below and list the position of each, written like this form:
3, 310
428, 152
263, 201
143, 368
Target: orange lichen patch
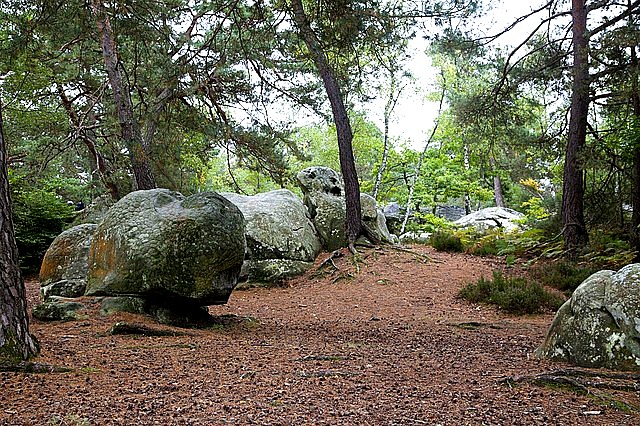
102, 257
56, 260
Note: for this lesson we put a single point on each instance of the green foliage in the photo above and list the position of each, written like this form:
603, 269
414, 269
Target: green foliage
39, 215
511, 294
428, 222
562, 275
494, 242
444, 240
607, 249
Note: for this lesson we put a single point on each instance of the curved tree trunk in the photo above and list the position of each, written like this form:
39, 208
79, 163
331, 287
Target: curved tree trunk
131, 135
16, 344
574, 228
343, 127
88, 136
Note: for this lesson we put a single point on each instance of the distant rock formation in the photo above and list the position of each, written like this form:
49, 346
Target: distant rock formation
324, 197
492, 217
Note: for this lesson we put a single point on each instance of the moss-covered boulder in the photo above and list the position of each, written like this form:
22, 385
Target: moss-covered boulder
279, 232
59, 309
168, 249
64, 268
599, 326
323, 191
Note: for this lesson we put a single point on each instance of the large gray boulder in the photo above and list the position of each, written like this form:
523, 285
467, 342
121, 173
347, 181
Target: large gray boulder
323, 191
281, 240
173, 251
64, 267
600, 325
491, 217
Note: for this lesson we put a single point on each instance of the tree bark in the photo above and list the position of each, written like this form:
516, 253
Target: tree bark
574, 228
16, 344
388, 110
131, 135
635, 99
353, 221
498, 195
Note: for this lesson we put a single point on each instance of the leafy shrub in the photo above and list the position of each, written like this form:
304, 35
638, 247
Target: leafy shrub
39, 215
514, 295
427, 222
446, 241
564, 276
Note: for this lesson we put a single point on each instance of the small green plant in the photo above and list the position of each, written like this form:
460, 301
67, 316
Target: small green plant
427, 222
446, 241
39, 215
562, 275
512, 294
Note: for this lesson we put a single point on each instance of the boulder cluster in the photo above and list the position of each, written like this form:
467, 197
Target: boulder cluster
159, 252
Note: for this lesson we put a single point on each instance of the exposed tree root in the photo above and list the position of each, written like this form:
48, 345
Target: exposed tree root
581, 380
329, 260
421, 256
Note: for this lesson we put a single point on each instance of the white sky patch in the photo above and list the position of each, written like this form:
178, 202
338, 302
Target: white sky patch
415, 115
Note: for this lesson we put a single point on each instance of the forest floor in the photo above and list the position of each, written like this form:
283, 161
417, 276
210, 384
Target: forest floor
386, 342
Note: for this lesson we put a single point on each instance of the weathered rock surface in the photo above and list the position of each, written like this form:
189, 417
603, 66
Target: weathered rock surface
281, 240
600, 325
323, 191
491, 217
64, 268
168, 249
58, 309
451, 213
394, 215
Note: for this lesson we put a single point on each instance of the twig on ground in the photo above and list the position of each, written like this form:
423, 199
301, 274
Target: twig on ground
577, 379
33, 367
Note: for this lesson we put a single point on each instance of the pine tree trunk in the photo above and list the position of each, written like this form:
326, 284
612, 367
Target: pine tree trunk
497, 191
574, 228
635, 216
341, 119
16, 344
130, 129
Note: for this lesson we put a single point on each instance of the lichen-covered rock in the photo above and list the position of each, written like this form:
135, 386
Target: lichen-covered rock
133, 305
58, 309
274, 270
600, 325
323, 191
279, 231
278, 226
64, 268
161, 246
375, 220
